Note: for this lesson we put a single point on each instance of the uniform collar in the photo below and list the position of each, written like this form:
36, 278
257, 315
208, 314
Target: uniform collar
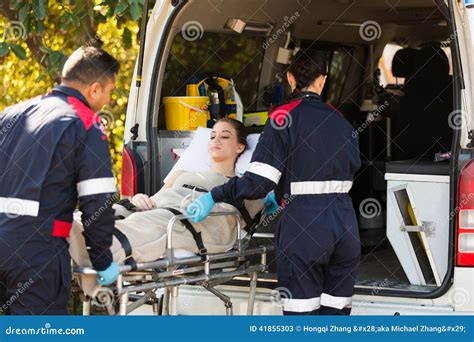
307, 95
68, 91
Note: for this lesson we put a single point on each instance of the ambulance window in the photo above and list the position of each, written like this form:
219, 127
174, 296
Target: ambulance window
339, 64
237, 57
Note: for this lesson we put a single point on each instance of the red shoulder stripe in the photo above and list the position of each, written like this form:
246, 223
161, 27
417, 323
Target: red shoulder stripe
87, 116
280, 113
334, 109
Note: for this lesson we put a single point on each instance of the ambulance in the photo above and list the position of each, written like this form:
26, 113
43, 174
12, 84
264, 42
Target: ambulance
401, 72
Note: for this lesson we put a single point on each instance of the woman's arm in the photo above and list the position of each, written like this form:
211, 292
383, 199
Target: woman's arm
144, 202
169, 183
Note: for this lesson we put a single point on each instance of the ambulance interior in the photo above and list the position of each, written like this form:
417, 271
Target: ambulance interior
400, 106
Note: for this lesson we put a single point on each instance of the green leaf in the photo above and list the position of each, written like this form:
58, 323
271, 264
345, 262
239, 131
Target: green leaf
40, 9
18, 51
64, 22
45, 49
3, 49
54, 58
121, 8
40, 78
23, 12
28, 23
127, 38
40, 27
135, 11
16, 4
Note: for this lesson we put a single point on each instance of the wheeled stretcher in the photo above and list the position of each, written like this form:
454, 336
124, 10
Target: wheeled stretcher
137, 285
143, 282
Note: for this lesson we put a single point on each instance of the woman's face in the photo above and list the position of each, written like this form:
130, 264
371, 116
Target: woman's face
224, 145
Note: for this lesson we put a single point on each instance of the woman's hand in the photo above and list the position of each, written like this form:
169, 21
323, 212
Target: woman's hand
143, 202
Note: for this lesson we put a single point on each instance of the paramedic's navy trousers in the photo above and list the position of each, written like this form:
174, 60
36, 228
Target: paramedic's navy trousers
318, 253
35, 275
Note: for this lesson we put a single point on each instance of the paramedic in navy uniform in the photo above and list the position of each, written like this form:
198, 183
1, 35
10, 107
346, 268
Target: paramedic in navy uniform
54, 151
308, 155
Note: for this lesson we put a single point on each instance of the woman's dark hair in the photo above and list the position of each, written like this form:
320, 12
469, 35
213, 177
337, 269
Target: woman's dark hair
240, 129
306, 66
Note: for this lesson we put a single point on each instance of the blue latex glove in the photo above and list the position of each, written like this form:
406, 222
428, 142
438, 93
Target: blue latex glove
109, 275
270, 203
200, 208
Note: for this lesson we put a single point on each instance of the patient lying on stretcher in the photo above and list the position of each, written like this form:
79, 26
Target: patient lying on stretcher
146, 228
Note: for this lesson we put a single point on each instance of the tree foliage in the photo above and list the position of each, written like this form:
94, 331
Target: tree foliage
36, 36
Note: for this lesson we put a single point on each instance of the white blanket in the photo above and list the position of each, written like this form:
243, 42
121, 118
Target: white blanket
146, 230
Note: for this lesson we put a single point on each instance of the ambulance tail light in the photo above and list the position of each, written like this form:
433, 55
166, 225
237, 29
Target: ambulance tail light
465, 229
129, 173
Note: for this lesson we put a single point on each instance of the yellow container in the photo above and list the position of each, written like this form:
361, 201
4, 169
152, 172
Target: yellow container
185, 112
255, 119
192, 90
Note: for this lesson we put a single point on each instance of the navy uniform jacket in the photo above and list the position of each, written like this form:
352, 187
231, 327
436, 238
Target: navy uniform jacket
307, 147
54, 151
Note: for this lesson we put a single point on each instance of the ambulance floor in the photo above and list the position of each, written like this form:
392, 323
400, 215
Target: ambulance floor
381, 263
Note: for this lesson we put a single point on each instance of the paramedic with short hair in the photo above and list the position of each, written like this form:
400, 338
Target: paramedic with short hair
308, 154
54, 152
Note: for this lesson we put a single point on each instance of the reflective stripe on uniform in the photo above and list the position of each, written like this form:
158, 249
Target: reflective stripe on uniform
18, 206
324, 187
336, 302
96, 186
266, 171
301, 305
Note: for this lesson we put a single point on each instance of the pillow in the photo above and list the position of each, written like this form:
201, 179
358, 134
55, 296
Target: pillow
196, 157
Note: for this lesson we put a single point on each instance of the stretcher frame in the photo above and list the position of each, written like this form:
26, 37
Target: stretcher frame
169, 273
